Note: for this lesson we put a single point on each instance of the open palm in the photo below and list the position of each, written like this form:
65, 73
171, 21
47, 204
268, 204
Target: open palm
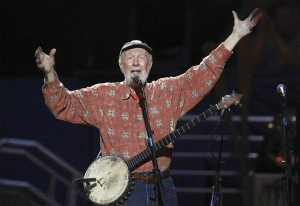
242, 28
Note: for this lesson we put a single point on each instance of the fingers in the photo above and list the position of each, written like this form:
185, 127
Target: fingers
52, 52
257, 18
44, 61
235, 16
253, 13
38, 52
254, 21
37, 55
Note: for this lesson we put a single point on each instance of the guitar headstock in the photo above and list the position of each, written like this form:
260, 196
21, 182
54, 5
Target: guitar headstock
228, 100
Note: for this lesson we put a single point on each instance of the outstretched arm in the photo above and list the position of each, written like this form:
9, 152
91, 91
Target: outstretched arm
242, 28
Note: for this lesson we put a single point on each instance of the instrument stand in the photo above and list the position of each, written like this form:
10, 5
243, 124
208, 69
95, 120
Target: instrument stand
158, 185
287, 157
217, 198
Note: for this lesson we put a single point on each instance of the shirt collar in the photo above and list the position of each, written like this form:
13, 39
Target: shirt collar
129, 92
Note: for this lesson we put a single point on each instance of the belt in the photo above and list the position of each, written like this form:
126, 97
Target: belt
149, 177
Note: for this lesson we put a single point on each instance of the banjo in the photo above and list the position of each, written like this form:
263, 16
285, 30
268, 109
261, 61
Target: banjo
112, 175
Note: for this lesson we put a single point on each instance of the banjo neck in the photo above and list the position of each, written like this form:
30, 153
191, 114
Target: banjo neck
143, 156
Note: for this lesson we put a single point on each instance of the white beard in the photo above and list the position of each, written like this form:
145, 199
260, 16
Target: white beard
142, 76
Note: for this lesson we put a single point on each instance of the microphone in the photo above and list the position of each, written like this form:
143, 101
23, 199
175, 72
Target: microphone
281, 89
135, 81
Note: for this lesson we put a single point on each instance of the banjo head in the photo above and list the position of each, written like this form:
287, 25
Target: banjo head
113, 180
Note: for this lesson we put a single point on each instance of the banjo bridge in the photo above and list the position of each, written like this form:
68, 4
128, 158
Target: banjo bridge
100, 182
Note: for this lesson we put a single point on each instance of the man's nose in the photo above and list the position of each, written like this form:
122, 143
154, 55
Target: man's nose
135, 61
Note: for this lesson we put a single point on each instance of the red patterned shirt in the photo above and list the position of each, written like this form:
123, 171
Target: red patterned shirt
113, 109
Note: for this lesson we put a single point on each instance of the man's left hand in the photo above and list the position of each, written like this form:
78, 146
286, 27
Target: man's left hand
242, 28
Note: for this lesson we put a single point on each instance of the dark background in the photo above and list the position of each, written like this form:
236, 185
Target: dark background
103, 26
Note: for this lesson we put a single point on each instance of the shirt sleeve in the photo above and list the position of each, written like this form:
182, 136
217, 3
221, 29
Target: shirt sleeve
198, 81
72, 106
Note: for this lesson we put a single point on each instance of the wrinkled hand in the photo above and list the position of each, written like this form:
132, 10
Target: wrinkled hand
45, 62
242, 28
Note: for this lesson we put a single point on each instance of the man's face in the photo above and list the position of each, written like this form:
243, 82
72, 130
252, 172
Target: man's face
135, 61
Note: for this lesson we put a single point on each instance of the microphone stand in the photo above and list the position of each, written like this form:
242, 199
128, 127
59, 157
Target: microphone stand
287, 157
156, 171
217, 198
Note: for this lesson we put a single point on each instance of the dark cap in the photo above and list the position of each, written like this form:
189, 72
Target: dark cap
135, 44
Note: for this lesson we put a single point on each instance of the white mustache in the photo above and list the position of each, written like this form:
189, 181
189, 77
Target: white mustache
135, 68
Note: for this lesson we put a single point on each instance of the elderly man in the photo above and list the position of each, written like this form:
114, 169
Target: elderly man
112, 107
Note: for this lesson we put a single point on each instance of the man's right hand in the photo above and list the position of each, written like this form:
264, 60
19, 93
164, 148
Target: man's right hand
46, 62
